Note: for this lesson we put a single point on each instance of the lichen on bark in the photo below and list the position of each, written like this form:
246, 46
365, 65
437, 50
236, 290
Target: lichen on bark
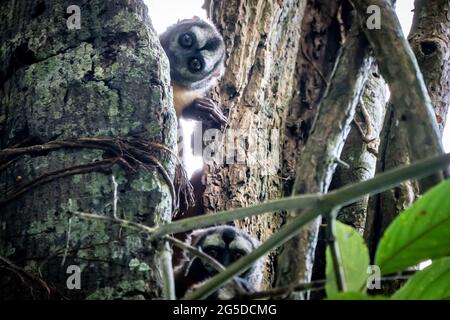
108, 79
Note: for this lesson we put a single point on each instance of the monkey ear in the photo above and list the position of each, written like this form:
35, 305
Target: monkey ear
194, 236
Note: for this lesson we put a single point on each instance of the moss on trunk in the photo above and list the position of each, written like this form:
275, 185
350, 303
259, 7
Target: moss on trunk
107, 79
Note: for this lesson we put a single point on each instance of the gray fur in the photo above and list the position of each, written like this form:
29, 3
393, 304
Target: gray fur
212, 57
226, 238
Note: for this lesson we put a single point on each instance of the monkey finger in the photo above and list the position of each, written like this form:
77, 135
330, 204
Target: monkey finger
213, 110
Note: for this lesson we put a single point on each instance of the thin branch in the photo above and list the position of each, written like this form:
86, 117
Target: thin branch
115, 198
335, 252
283, 291
19, 270
302, 287
399, 67
127, 151
342, 196
317, 161
205, 258
167, 272
68, 234
124, 223
50, 176
194, 251
319, 204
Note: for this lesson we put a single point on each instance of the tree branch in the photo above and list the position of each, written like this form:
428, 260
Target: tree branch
317, 161
167, 272
409, 94
343, 196
430, 39
283, 291
334, 250
319, 204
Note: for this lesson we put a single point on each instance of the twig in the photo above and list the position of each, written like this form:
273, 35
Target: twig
115, 198
13, 267
194, 251
409, 94
365, 136
108, 144
66, 250
127, 150
184, 246
283, 291
205, 258
343, 196
49, 176
301, 287
334, 250
167, 272
122, 222
342, 163
319, 204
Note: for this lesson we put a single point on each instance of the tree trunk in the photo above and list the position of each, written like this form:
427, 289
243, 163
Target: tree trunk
360, 154
429, 39
262, 40
279, 59
109, 80
362, 147
322, 152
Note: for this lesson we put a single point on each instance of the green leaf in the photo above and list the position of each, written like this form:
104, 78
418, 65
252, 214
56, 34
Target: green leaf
354, 258
355, 296
432, 283
419, 233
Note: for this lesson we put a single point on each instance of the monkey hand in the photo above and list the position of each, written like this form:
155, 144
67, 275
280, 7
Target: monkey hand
206, 111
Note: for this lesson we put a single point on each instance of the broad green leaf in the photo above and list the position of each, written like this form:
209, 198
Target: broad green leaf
419, 233
355, 261
356, 296
432, 283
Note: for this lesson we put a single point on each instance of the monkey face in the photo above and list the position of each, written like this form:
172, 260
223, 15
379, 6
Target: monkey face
227, 247
226, 244
196, 53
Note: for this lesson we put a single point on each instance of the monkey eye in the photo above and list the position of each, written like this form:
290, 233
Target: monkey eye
186, 40
195, 65
237, 255
212, 252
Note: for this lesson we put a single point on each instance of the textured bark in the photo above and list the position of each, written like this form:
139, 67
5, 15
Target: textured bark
408, 92
317, 160
107, 79
361, 148
360, 153
323, 30
429, 40
262, 40
274, 80
319, 44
